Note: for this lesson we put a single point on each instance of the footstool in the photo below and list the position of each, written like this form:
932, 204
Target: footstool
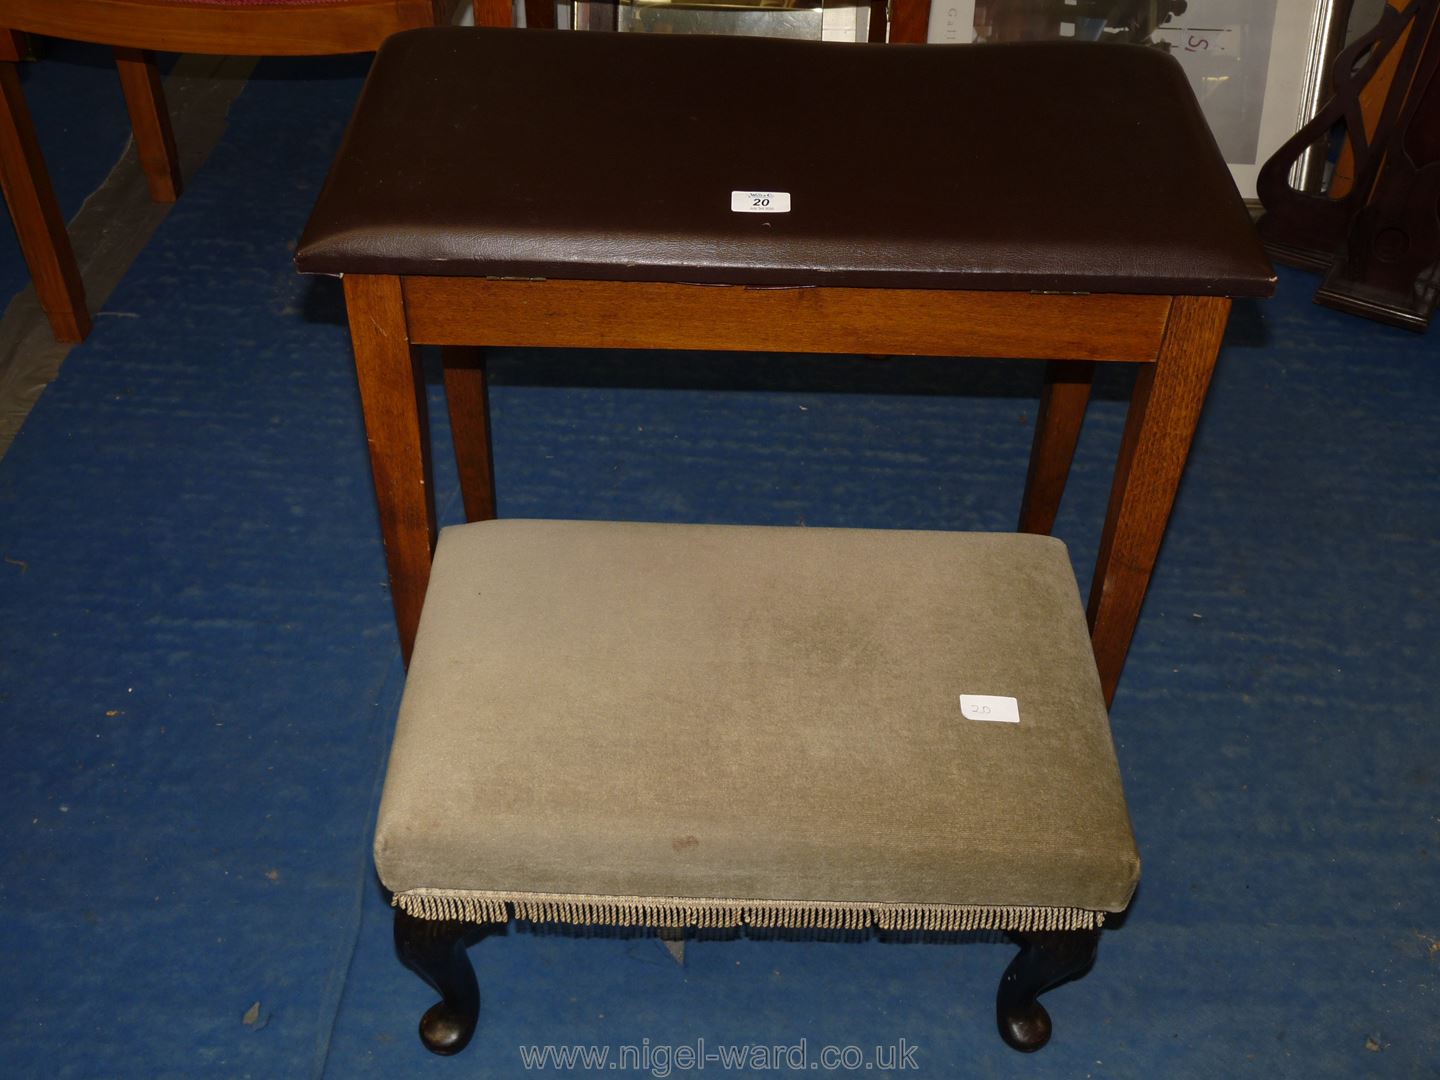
862, 728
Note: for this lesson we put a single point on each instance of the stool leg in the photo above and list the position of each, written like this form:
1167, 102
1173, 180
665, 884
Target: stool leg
392, 395
435, 950
1057, 430
468, 399
1159, 427
38, 222
150, 121
1046, 959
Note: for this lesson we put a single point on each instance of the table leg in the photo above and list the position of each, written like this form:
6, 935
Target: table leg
38, 222
392, 395
1057, 430
150, 121
1159, 427
468, 398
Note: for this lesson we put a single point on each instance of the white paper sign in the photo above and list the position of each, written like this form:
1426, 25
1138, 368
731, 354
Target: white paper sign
1001, 710
760, 202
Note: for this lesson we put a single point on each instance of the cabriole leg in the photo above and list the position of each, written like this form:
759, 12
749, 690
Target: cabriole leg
435, 950
1046, 959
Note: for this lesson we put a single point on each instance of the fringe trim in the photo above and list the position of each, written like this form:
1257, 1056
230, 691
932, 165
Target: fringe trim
673, 912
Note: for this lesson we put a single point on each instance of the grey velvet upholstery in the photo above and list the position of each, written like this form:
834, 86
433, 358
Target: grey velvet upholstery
729, 713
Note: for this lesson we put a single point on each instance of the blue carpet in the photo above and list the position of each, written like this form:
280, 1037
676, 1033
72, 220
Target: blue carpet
198, 674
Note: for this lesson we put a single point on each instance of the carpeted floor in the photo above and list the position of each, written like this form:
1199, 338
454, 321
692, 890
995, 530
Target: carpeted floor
198, 673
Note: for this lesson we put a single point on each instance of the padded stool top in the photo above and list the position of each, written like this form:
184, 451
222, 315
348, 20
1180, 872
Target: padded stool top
622, 710
523, 153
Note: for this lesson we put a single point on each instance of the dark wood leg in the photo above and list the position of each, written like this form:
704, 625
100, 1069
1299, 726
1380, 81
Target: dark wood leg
392, 394
540, 14
1057, 430
469, 402
38, 223
1046, 959
1159, 427
150, 121
435, 950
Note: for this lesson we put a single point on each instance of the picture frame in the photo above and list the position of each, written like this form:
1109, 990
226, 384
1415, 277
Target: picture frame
828, 20
1259, 67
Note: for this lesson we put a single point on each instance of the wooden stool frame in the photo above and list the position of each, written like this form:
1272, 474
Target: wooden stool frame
1173, 339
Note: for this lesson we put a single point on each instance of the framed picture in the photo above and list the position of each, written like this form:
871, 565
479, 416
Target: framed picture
1256, 66
817, 20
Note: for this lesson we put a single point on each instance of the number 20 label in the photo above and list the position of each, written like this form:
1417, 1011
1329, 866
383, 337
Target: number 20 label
760, 202
1002, 710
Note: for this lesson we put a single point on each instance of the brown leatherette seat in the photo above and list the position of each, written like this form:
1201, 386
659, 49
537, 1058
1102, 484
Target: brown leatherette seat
546, 154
